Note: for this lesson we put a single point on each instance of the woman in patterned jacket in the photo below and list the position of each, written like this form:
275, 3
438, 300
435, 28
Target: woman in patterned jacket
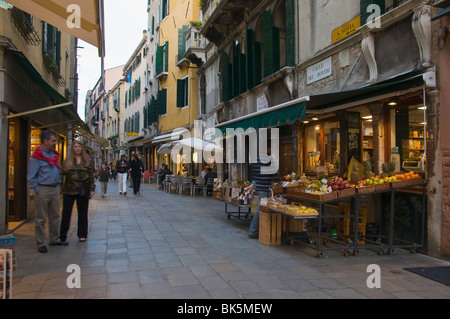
78, 185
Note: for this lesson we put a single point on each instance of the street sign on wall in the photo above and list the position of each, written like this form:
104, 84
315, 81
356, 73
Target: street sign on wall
319, 71
346, 30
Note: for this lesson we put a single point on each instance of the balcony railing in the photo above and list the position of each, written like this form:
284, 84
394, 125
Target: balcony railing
24, 26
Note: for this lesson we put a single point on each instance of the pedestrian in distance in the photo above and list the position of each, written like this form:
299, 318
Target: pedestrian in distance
45, 180
79, 186
136, 170
122, 175
103, 176
209, 175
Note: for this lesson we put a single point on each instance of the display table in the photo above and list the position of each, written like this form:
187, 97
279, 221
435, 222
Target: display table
382, 243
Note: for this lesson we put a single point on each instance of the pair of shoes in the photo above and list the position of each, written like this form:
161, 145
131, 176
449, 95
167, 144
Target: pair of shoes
43, 249
125, 193
253, 236
120, 193
82, 240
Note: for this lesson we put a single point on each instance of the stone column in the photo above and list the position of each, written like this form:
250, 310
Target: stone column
378, 124
434, 167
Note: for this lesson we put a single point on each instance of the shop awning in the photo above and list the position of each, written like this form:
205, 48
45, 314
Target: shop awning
166, 137
344, 99
283, 114
83, 19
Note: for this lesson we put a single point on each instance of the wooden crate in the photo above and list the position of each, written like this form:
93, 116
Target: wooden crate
218, 194
295, 225
366, 190
270, 228
347, 192
319, 198
408, 182
382, 187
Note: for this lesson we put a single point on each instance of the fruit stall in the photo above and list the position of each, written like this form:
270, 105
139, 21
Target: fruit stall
332, 212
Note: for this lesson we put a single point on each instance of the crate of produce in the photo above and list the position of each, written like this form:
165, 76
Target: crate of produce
406, 182
366, 189
270, 228
347, 192
318, 198
294, 225
218, 194
382, 187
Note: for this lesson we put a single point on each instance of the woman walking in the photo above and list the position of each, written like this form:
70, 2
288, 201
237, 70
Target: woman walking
137, 170
78, 175
122, 168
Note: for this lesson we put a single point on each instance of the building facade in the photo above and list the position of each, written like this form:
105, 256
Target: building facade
346, 79
37, 71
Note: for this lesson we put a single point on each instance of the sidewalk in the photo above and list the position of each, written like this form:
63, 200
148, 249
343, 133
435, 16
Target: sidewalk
160, 245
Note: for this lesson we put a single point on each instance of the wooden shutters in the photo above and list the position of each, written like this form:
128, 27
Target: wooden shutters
271, 45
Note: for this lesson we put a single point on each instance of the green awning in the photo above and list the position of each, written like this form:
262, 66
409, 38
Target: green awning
280, 115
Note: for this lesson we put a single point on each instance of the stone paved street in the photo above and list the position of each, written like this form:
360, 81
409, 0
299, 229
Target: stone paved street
160, 245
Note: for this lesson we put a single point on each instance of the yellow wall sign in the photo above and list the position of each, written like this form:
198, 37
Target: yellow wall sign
346, 30
132, 134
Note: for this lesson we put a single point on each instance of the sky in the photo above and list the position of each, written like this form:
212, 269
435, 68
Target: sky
124, 24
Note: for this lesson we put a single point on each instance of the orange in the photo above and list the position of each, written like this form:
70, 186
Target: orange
411, 173
408, 176
416, 176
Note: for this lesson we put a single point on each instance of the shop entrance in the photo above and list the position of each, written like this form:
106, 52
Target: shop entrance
17, 170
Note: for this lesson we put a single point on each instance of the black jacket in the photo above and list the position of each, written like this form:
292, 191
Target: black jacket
136, 168
122, 167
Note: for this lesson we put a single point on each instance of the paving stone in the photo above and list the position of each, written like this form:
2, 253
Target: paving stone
161, 246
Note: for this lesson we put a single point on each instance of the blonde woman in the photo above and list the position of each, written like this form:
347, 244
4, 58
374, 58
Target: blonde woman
78, 185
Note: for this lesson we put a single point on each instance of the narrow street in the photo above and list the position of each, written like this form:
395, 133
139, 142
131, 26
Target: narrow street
166, 246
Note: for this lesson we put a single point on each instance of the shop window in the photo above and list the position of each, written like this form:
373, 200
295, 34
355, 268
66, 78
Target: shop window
322, 147
408, 138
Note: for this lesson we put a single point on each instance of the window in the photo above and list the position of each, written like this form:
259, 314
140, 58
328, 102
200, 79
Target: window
183, 92
162, 58
322, 147
164, 9
182, 41
51, 45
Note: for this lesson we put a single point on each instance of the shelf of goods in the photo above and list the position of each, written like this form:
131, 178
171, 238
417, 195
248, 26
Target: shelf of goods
351, 221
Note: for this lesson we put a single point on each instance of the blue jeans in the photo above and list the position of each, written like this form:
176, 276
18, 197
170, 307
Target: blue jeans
254, 226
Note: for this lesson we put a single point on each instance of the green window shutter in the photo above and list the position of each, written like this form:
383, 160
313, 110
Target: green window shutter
235, 69
271, 45
180, 93
226, 78
162, 102
58, 51
153, 116
364, 8
153, 25
126, 99
242, 73
166, 57
182, 42
159, 59
258, 63
145, 116
290, 32
138, 124
249, 76
268, 43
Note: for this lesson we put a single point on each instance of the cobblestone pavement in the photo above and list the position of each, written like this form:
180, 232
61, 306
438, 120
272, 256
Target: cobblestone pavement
167, 246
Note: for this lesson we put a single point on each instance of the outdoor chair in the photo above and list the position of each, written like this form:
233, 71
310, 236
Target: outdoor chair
209, 187
166, 183
174, 183
146, 177
198, 184
186, 183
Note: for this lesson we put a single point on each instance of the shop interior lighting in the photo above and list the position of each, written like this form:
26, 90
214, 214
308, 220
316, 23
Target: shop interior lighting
393, 103
315, 118
317, 128
305, 122
369, 117
422, 108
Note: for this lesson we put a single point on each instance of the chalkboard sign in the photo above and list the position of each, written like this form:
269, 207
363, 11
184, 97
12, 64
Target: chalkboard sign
354, 135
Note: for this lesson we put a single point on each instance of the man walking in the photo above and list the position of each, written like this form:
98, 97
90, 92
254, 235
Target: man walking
45, 180
122, 169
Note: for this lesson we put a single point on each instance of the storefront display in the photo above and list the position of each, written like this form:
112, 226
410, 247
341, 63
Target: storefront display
322, 147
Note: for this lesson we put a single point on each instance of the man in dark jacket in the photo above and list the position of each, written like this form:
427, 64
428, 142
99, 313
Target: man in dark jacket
263, 182
209, 175
137, 169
